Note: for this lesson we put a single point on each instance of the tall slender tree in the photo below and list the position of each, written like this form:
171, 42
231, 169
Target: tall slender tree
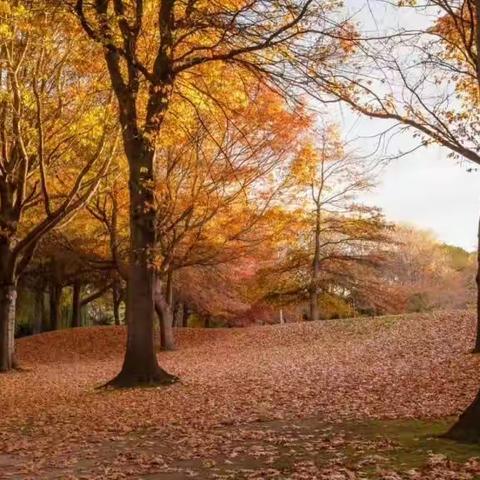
333, 177
330, 236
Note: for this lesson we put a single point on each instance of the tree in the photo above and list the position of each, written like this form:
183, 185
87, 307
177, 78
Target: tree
186, 37
424, 274
333, 177
328, 246
225, 163
427, 80
228, 166
53, 151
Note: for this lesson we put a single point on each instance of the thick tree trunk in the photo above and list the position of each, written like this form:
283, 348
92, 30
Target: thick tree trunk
140, 364
476, 349
76, 305
165, 316
8, 296
467, 427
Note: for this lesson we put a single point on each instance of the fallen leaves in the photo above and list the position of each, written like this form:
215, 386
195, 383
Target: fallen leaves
415, 366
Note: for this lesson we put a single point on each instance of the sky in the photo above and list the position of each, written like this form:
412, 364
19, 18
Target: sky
426, 188
432, 192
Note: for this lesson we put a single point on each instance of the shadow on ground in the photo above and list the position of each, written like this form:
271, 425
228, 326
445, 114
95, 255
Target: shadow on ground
304, 449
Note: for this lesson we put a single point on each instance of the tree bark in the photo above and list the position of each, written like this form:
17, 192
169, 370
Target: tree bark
140, 366
164, 311
207, 321
314, 315
116, 313
8, 296
467, 427
185, 315
55, 294
177, 314
116, 301
476, 349
76, 305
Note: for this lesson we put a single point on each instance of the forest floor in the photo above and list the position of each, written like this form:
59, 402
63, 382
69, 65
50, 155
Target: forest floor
335, 400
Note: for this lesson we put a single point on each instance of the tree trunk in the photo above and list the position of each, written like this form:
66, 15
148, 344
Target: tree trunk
140, 364
39, 320
207, 321
165, 315
8, 296
467, 427
313, 305
167, 340
185, 315
55, 294
76, 305
315, 269
477, 340
177, 314
281, 318
116, 300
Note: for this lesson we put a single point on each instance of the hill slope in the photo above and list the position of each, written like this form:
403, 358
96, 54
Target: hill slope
414, 366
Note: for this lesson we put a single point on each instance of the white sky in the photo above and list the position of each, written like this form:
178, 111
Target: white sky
432, 192
425, 188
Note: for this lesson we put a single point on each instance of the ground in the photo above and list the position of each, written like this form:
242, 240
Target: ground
338, 400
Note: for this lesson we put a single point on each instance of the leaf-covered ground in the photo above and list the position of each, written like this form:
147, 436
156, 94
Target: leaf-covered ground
287, 402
